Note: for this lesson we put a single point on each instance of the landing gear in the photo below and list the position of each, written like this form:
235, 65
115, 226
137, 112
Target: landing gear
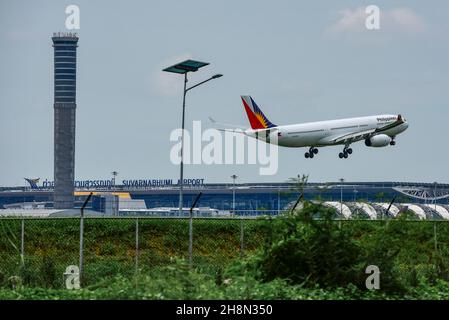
393, 142
309, 155
346, 152
312, 151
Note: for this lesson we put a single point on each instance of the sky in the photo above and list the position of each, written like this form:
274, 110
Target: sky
300, 61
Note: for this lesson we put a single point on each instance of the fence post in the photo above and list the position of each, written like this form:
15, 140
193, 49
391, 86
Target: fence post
435, 235
389, 206
301, 195
270, 232
242, 248
190, 240
191, 228
22, 243
81, 261
137, 245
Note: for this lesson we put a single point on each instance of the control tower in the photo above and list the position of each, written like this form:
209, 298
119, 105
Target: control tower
65, 44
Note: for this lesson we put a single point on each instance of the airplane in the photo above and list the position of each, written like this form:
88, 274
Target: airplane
376, 131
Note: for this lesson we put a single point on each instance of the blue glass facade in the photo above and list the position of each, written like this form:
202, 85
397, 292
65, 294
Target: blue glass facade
272, 199
248, 197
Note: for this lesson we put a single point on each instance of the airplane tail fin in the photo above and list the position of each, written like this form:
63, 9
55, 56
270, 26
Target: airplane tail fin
255, 116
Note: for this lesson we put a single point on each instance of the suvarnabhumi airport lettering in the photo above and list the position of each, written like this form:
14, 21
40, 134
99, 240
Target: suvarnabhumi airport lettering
130, 183
161, 183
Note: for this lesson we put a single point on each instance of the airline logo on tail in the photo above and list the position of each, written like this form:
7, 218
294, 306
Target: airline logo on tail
255, 116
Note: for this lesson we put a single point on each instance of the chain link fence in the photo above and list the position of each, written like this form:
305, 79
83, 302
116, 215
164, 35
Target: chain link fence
37, 251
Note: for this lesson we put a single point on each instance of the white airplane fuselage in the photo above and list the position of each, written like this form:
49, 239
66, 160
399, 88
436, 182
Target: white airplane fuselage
376, 131
323, 133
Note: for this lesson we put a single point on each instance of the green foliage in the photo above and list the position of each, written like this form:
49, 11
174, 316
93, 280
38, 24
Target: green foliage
178, 281
48, 271
310, 251
310, 248
304, 255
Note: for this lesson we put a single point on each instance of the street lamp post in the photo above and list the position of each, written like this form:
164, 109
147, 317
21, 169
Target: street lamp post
181, 174
355, 195
233, 194
184, 68
114, 176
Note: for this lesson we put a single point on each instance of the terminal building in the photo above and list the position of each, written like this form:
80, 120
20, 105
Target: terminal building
351, 199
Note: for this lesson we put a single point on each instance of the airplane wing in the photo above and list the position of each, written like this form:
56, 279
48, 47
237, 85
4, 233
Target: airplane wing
353, 136
231, 130
258, 133
225, 124
362, 135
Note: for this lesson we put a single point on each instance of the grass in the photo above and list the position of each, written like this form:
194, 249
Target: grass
418, 253
110, 249
177, 282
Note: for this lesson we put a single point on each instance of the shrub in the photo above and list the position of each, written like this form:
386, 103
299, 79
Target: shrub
310, 251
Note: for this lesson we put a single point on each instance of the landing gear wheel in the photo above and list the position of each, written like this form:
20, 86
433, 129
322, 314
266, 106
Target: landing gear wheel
315, 150
349, 151
345, 154
341, 155
311, 155
307, 155
392, 143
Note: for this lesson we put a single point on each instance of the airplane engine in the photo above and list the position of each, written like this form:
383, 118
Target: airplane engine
380, 140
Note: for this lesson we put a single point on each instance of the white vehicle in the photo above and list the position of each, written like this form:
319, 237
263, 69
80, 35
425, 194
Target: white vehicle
376, 131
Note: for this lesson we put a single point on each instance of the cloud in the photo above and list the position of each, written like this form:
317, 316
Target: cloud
165, 83
397, 20
406, 20
351, 20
